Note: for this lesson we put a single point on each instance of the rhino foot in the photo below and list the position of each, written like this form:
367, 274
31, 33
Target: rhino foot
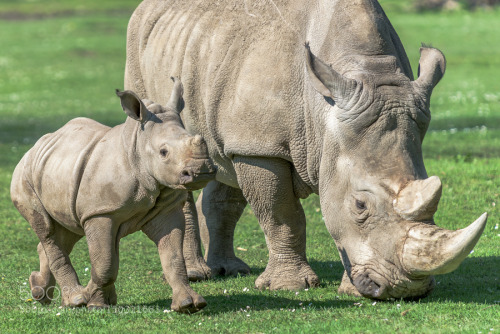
289, 277
188, 302
198, 270
228, 267
42, 289
100, 297
347, 288
74, 296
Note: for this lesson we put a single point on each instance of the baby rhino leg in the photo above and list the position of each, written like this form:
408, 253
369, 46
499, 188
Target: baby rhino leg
42, 283
167, 232
103, 245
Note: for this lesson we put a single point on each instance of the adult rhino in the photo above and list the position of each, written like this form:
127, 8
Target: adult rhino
341, 117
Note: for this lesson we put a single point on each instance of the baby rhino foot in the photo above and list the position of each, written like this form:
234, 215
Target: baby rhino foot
287, 277
41, 289
197, 269
228, 266
73, 296
187, 302
100, 297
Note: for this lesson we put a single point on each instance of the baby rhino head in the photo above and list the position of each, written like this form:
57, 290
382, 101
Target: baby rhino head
160, 145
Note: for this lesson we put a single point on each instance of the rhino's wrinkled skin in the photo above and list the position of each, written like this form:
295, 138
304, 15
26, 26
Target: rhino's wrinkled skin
341, 117
105, 183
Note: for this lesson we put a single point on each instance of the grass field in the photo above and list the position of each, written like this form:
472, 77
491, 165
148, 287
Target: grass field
60, 60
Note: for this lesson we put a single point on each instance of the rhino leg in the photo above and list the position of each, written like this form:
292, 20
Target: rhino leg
267, 185
197, 269
166, 230
56, 243
347, 287
219, 207
42, 283
103, 251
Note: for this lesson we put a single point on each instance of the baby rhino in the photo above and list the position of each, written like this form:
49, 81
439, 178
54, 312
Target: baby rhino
105, 183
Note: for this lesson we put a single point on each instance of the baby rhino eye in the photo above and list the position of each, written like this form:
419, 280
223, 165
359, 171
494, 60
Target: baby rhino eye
360, 205
163, 152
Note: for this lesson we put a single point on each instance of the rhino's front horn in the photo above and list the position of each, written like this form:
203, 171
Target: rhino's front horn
430, 250
419, 199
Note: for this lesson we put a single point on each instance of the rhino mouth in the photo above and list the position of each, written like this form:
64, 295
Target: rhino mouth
372, 286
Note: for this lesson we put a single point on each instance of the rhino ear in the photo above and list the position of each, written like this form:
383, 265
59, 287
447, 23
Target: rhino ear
133, 106
329, 82
431, 68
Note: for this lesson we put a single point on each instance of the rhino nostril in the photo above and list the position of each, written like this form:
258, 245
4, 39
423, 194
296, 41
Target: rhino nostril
186, 176
367, 287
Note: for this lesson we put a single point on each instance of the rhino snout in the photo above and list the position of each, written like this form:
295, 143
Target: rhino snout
198, 173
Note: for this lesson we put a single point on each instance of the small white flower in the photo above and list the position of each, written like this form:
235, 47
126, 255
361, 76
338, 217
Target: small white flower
306, 289
399, 305
58, 314
297, 293
86, 269
225, 291
166, 311
374, 303
245, 289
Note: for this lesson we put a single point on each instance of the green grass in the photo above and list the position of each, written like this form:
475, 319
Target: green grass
55, 69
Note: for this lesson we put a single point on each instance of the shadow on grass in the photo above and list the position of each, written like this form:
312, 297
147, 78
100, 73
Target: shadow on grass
266, 300
477, 280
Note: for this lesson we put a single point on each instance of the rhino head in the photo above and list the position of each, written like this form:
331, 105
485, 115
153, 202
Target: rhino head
376, 197
159, 144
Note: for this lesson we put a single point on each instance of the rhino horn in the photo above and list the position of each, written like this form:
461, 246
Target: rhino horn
430, 250
176, 101
329, 82
419, 199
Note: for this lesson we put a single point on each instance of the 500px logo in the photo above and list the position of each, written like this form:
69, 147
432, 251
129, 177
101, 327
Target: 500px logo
39, 293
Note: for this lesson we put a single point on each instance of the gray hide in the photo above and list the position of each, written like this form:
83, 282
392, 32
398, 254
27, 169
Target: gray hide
341, 117
105, 183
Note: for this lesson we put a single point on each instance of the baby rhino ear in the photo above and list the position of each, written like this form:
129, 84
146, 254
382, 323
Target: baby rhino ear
133, 106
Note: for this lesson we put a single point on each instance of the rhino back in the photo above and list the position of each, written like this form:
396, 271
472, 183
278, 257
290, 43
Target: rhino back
243, 68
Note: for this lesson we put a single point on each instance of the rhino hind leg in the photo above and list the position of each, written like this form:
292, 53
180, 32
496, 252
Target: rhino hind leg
267, 185
42, 283
56, 243
219, 207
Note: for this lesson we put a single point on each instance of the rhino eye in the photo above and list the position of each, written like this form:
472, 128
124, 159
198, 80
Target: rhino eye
163, 152
360, 205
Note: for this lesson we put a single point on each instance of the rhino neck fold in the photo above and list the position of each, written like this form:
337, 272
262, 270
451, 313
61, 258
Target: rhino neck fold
130, 138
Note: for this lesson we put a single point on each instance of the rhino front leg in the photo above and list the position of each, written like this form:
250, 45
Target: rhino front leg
103, 246
267, 185
219, 207
197, 269
166, 230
